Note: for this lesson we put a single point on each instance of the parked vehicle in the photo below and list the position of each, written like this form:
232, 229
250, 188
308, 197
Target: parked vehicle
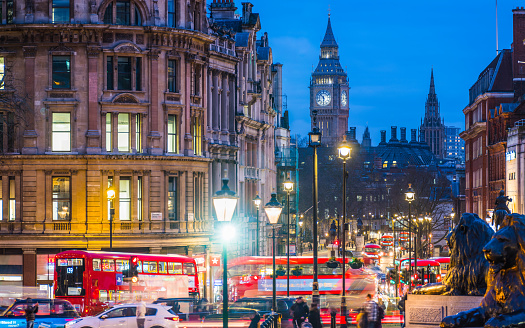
51, 313
186, 308
124, 316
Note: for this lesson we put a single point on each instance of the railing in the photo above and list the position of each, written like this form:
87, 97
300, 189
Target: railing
272, 321
251, 172
102, 227
223, 50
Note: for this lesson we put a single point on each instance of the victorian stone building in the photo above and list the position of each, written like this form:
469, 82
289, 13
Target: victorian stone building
145, 98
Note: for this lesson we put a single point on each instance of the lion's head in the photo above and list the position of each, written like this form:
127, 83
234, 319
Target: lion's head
468, 265
507, 247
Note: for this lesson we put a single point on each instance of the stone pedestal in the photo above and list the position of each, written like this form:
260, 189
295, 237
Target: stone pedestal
425, 311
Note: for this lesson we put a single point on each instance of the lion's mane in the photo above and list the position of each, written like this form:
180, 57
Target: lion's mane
468, 266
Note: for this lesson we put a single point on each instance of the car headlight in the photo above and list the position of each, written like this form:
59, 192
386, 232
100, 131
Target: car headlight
72, 322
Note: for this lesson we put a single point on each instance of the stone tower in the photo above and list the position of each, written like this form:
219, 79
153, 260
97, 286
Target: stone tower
329, 92
432, 126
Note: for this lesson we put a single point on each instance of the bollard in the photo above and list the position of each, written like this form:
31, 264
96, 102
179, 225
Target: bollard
332, 319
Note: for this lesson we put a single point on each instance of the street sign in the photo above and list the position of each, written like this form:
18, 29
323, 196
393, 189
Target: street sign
156, 216
215, 260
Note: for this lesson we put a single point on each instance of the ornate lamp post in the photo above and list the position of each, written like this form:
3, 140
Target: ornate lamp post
344, 154
301, 233
273, 210
111, 197
257, 202
224, 203
288, 187
410, 195
394, 246
314, 141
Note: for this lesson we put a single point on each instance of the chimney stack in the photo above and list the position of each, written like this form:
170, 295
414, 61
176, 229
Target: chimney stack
351, 134
413, 135
404, 135
393, 132
383, 136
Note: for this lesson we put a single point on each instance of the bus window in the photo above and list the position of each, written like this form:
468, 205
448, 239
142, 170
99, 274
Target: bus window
174, 268
103, 295
139, 267
162, 267
96, 264
122, 265
108, 265
189, 269
149, 267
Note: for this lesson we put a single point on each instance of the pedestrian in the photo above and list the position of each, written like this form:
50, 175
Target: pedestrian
371, 311
30, 311
361, 318
141, 313
255, 320
315, 316
299, 312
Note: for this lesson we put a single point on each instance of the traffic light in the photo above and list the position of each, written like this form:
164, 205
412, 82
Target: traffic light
405, 277
134, 268
392, 275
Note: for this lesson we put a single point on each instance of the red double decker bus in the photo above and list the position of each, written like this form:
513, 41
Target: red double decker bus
251, 276
93, 281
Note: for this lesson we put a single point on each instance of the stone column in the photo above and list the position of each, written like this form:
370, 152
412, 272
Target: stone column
224, 110
209, 102
188, 140
29, 144
215, 106
29, 264
93, 145
154, 143
133, 132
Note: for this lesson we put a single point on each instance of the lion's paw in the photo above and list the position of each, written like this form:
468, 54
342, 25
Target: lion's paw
449, 322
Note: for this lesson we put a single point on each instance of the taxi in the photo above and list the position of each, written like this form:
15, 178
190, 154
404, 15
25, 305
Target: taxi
52, 313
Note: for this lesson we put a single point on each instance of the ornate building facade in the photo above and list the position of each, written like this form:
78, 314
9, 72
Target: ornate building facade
432, 127
329, 92
145, 98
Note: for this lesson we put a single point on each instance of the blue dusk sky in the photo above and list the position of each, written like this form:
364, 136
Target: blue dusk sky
388, 48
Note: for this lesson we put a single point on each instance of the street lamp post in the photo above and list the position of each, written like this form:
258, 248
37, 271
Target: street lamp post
429, 236
273, 210
410, 195
257, 202
224, 203
111, 196
301, 234
394, 245
314, 142
288, 187
344, 154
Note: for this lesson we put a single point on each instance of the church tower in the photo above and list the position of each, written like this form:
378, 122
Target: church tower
432, 127
329, 92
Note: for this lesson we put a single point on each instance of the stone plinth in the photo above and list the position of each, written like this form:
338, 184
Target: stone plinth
425, 311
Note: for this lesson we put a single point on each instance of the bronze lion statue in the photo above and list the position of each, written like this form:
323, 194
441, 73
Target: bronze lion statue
468, 266
504, 302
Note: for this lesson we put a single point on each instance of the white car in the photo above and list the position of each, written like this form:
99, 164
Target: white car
124, 316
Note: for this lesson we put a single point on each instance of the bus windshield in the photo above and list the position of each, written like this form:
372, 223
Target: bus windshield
371, 250
70, 274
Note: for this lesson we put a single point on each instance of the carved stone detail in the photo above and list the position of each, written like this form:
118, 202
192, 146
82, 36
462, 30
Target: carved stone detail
154, 54
107, 37
29, 52
425, 315
124, 36
139, 38
61, 48
125, 99
60, 95
93, 51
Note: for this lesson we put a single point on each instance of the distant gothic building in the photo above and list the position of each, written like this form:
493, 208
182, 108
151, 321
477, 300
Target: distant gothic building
432, 127
329, 92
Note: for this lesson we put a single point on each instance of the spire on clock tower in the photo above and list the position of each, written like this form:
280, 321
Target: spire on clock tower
432, 126
329, 91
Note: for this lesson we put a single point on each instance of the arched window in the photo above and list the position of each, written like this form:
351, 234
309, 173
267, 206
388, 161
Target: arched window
122, 12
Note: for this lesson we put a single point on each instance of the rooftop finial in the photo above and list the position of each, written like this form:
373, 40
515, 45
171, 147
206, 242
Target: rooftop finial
329, 10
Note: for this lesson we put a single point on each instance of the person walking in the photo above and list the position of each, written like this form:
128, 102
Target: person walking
254, 323
141, 313
299, 312
30, 313
314, 317
371, 311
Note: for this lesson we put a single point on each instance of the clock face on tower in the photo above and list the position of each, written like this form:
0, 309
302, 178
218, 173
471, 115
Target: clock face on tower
344, 99
323, 98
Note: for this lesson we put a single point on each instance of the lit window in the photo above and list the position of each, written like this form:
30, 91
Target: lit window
12, 199
109, 143
61, 135
172, 198
172, 76
61, 11
138, 133
61, 198
139, 198
123, 132
197, 136
125, 199
172, 134
61, 72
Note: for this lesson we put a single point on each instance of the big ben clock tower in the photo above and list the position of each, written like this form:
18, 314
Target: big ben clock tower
329, 92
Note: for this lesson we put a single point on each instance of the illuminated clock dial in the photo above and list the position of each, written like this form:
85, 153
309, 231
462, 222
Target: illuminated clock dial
344, 99
323, 98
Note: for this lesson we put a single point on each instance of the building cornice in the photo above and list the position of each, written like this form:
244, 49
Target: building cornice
474, 130
112, 157
486, 96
